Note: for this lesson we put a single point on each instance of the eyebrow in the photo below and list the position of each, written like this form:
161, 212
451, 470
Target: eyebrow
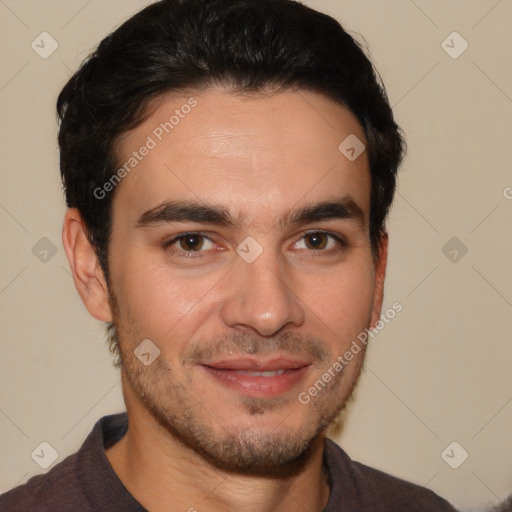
344, 208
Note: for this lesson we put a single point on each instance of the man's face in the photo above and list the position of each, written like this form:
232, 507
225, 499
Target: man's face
243, 325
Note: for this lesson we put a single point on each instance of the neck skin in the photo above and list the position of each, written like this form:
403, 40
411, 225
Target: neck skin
160, 472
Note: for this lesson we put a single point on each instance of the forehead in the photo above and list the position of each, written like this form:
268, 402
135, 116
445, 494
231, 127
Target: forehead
255, 154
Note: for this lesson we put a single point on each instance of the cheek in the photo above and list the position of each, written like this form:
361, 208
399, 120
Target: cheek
343, 299
155, 300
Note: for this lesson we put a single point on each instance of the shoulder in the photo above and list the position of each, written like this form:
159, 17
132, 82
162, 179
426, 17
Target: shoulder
82, 482
52, 491
371, 489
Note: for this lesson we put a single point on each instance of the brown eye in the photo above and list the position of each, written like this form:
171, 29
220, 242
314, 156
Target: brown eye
321, 242
191, 242
316, 241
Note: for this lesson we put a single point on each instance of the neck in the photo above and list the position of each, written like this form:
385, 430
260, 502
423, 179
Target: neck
161, 472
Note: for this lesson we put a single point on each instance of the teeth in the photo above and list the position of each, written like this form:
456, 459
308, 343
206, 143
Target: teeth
260, 374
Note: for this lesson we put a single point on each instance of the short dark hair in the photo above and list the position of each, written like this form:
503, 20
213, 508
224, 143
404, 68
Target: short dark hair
505, 506
245, 45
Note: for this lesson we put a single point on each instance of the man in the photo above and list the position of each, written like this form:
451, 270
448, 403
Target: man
228, 167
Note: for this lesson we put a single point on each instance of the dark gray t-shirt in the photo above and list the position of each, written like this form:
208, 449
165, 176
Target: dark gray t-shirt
86, 482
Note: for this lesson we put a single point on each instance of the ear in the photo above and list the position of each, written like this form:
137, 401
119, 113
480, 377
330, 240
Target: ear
85, 267
379, 277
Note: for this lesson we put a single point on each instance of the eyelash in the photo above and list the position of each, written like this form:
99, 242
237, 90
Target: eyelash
342, 243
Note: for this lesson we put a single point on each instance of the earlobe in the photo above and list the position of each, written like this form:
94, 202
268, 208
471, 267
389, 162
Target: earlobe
85, 268
380, 274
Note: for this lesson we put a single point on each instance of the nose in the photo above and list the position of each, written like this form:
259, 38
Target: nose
260, 298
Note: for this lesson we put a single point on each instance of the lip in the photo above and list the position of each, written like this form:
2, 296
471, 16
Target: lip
231, 374
258, 364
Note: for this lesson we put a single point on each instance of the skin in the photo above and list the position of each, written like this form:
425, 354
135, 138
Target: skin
193, 442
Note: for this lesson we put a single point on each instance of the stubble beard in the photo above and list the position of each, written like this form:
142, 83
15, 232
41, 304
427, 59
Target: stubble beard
279, 452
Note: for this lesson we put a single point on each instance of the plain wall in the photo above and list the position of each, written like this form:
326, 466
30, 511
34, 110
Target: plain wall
439, 372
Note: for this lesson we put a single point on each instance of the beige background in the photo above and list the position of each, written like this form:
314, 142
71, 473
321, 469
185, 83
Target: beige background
440, 372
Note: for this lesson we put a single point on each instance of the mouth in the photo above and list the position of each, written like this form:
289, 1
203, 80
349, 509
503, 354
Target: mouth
258, 377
